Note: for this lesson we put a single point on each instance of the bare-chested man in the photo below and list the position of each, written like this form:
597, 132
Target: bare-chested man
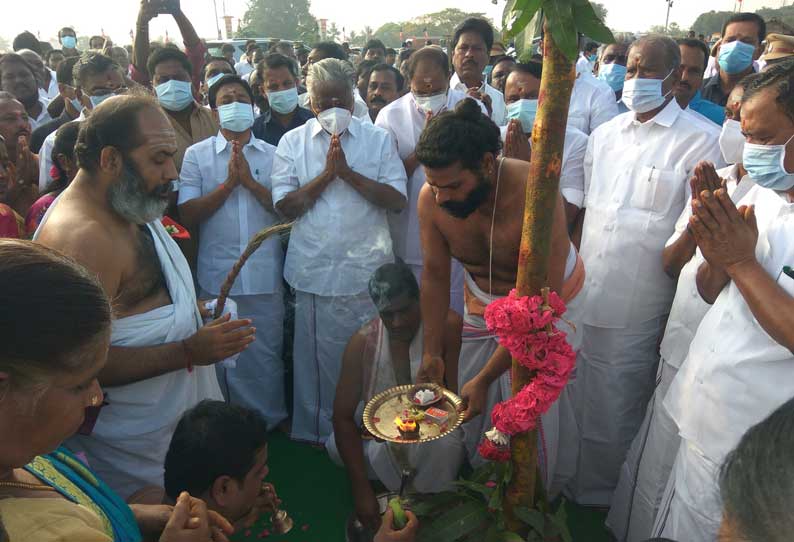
472, 209
160, 357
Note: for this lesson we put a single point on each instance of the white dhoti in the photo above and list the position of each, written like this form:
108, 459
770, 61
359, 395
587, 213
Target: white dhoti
644, 474
257, 380
615, 378
323, 327
436, 463
130, 439
557, 430
691, 508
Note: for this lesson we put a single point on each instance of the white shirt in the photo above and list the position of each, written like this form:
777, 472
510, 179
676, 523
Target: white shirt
43, 117
243, 68
498, 107
688, 307
592, 103
583, 65
736, 374
360, 108
225, 234
52, 90
342, 239
636, 185
405, 121
45, 157
572, 173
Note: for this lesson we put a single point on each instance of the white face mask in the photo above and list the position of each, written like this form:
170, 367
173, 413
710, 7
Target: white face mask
432, 104
732, 141
643, 95
335, 120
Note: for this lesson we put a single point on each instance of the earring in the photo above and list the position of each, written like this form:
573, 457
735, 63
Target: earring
94, 400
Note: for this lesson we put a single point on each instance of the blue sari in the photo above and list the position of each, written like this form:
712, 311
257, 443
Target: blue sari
64, 472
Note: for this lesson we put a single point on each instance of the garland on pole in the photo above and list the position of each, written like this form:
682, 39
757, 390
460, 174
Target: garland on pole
526, 327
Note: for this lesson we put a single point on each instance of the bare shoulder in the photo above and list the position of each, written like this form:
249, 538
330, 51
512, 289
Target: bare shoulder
426, 205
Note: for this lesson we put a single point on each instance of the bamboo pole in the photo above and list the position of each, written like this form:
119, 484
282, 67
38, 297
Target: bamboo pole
548, 136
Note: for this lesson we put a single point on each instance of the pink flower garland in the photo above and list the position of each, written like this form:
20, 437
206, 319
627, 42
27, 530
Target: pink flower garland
525, 326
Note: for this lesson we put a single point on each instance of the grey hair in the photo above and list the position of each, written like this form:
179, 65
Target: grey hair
621, 38
330, 70
668, 46
757, 479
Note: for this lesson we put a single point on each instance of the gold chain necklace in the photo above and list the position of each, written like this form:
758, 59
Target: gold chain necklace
25, 485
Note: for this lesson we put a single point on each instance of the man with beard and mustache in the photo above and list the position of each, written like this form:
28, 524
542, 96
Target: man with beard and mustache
384, 86
472, 209
694, 57
19, 78
15, 130
161, 355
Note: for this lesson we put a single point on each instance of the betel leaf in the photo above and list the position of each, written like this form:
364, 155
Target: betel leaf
560, 521
536, 520
588, 23
431, 504
495, 502
482, 489
559, 17
455, 523
520, 16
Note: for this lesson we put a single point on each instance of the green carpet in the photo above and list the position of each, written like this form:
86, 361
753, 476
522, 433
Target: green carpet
317, 496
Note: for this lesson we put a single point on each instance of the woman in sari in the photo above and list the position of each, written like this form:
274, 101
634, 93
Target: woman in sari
54, 338
64, 168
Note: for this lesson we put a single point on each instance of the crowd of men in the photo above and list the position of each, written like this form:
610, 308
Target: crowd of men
403, 176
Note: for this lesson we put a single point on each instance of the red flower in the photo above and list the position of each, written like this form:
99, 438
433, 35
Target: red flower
492, 452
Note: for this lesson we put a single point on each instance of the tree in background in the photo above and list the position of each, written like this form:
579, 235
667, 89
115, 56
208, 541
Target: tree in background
712, 21
440, 23
286, 19
673, 30
332, 33
5, 45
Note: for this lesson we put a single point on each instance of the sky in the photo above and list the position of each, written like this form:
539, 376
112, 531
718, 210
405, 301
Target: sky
117, 17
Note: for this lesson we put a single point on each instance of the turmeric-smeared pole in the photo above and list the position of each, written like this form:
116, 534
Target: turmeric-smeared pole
564, 19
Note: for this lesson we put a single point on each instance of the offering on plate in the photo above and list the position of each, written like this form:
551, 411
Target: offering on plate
407, 426
437, 415
424, 397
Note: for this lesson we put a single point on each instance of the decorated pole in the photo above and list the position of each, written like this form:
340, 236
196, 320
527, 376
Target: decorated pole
564, 19
548, 137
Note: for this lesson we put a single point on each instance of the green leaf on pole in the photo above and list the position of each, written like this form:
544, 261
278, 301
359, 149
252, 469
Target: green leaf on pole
588, 23
520, 16
535, 519
559, 15
455, 523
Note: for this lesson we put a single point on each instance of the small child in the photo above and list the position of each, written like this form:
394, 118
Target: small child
219, 453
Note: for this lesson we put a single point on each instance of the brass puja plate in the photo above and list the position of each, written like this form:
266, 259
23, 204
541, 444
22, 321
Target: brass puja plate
380, 412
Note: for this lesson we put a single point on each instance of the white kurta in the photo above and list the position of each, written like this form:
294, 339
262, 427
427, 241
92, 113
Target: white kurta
334, 248
437, 463
130, 439
592, 103
405, 122
644, 474
257, 380
498, 107
636, 184
734, 376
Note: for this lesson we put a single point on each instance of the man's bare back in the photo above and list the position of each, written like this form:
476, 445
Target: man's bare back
120, 253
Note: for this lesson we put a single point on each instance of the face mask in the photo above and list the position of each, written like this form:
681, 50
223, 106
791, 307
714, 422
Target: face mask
613, 75
736, 56
592, 58
236, 116
432, 104
77, 104
283, 101
643, 95
215, 78
68, 42
335, 120
732, 141
525, 111
764, 163
96, 100
174, 95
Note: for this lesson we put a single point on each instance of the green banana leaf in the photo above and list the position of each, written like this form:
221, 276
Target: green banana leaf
455, 523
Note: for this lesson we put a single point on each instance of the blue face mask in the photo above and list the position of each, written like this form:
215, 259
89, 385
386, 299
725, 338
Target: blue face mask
96, 100
525, 111
68, 42
283, 101
236, 116
215, 78
764, 164
736, 56
592, 58
77, 104
613, 75
174, 95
